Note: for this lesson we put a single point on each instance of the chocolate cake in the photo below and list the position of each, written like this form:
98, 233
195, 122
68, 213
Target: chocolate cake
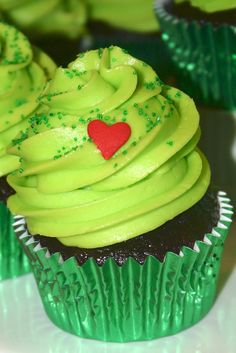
184, 229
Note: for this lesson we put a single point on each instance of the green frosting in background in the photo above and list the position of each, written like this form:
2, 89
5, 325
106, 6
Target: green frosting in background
134, 15
66, 189
39, 17
24, 72
211, 5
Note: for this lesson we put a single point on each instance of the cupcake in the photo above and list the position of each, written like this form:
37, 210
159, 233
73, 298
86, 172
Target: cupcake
48, 22
130, 24
123, 231
200, 36
201, 39
24, 71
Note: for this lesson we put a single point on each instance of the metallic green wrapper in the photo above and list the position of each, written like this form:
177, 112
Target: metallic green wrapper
130, 302
13, 261
204, 56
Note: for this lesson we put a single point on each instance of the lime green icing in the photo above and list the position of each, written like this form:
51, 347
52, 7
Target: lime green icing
23, 73
211, 5
39, 17
134, 15
66, 189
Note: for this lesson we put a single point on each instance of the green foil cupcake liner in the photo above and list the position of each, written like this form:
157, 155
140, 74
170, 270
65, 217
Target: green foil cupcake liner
13, 261
204, 56
130, 302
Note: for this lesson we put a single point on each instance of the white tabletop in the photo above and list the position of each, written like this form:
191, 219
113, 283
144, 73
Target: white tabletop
25, 328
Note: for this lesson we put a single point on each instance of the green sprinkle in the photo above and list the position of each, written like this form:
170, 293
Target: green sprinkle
178, 94
170, 143
19, 102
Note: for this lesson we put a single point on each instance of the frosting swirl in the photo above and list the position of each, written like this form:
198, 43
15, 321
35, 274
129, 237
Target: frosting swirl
211, 5
66, 17
66, 189
134, 15
23, 73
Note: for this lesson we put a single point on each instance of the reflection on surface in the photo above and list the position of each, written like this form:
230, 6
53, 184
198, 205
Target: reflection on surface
24, 327
218, 142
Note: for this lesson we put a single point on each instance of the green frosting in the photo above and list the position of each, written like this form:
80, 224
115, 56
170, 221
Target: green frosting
134, 15
66, 189
37, 17
23, 73
211, 5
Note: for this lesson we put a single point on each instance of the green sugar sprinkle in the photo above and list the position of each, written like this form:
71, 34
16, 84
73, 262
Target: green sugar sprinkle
19, 102
178, 94
170, 142
100, 51
80, 55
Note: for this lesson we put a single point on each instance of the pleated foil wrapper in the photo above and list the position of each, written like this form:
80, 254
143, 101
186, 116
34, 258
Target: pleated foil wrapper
13, 261
131, 302
204, 56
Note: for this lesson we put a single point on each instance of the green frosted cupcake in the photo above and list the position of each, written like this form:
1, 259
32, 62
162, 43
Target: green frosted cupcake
24, 72
48, 22
200, 36
123, 231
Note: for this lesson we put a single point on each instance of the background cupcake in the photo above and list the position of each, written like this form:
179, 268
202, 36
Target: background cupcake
200, 36
55, 26
202, 43
107, 176
24, 72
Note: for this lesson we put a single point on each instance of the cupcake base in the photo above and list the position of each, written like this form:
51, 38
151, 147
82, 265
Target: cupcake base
184, 229
131, 302
203, 55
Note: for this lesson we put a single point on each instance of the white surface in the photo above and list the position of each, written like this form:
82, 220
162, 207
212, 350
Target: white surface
24, 327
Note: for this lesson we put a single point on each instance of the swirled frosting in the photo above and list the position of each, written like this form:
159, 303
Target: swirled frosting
66, 17
66, 188
211, 5
23, 73
134, 15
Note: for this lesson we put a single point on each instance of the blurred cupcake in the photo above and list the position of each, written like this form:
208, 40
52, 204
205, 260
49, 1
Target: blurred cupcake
53, 25
130, 24
24, 72
201, 38
123, 232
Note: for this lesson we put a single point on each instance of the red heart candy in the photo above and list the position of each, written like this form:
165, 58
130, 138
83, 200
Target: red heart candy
108, 138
